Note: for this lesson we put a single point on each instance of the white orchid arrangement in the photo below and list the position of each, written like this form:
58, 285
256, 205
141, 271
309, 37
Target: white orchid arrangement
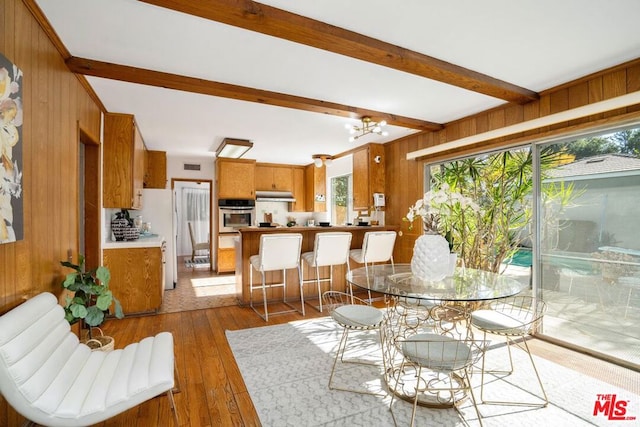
438, 204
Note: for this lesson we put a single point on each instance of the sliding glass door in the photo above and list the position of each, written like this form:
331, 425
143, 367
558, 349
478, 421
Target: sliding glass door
590, 245
586, 237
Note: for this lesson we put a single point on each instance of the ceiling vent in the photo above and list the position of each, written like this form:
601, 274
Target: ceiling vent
191, 167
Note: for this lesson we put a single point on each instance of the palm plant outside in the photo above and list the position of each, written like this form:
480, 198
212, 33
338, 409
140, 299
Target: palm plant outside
502, 186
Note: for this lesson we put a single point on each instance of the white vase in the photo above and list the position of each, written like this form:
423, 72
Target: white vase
430, 259
453, 261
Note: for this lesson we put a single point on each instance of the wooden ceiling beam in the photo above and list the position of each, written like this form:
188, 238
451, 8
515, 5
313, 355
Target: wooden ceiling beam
126, 73
275, 22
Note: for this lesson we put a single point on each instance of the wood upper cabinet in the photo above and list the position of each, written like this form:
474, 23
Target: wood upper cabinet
298, 190
315, 188
235, 178
274, 177
136, 278
368, 175
155, 169
123, 160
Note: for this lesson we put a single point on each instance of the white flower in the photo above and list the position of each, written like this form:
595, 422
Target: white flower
436, 203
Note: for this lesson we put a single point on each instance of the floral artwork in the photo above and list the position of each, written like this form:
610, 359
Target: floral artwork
11, 144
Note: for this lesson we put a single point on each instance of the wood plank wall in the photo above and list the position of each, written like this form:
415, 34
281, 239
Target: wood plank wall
55, 104
404, 177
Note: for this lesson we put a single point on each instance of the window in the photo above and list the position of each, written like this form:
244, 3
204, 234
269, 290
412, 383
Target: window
341, 199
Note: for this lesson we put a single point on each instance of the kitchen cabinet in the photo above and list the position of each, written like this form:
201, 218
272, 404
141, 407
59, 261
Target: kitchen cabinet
298, 190
368, 175
315, 188
226, 253
123, 160
274, 177
137, 278
155, 169
235, 178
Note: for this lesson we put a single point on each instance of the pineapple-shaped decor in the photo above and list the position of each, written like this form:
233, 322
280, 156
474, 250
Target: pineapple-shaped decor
430, 261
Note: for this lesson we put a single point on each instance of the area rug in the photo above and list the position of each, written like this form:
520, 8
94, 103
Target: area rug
286, 370
198, 262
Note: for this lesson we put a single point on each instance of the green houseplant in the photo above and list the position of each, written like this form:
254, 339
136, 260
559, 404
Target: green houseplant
91, 295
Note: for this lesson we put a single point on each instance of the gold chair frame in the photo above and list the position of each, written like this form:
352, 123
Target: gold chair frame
521, 316
333, 300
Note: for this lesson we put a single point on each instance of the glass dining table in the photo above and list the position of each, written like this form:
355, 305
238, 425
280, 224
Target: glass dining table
466, 285
415, 305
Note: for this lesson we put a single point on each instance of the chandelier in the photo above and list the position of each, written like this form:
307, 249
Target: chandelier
368, 126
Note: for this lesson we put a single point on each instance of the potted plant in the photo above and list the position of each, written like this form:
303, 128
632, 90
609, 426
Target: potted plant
91, 300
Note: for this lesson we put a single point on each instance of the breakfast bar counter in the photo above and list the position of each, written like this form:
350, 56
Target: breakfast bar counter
249, 244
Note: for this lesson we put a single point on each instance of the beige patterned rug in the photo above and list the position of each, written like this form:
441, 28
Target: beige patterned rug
286, 368
195, 293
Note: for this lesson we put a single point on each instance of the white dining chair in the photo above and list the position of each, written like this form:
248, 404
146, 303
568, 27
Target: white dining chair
277, 252
429, 368
377, 247
515, 319
353, 315
329, 249
196, 246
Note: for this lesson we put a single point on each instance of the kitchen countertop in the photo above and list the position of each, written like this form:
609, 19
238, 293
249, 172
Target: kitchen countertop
300, 228
152, 241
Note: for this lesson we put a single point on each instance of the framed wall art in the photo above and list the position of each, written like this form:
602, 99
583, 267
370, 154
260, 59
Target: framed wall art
11, 149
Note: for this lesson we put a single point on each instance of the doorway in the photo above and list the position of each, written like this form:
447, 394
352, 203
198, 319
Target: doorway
197, 287
89, 199
193, 210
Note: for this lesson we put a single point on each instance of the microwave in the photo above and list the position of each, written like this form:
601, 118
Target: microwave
234, 214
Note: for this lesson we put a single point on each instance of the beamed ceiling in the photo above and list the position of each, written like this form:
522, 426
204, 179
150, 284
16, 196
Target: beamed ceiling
289, 75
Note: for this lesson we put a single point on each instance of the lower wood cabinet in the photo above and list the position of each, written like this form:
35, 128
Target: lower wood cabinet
137, 279
226, 260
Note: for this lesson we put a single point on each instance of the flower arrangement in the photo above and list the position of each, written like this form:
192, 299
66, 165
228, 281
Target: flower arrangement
437, 207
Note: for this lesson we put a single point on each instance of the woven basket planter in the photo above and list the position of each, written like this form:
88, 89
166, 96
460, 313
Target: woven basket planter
100, 343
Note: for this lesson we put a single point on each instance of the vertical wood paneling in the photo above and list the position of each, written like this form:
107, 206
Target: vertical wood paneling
531, 111
54, 102
595, 95
559, 101
578, 96
633, 83
614, 84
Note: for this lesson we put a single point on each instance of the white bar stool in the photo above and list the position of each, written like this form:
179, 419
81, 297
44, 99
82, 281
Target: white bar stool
329, 249
277, 252
377, 246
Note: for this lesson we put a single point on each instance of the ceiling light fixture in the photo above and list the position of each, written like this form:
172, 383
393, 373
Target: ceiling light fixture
320, 159
233, 148
368, 126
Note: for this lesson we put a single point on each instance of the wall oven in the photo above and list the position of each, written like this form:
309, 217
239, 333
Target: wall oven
235, 213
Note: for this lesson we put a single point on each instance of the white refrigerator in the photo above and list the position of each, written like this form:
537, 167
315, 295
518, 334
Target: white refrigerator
158, 208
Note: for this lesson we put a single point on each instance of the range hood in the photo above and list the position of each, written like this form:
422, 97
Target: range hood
274, 196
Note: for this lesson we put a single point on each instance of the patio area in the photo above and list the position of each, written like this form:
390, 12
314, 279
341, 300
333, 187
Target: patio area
585, 311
